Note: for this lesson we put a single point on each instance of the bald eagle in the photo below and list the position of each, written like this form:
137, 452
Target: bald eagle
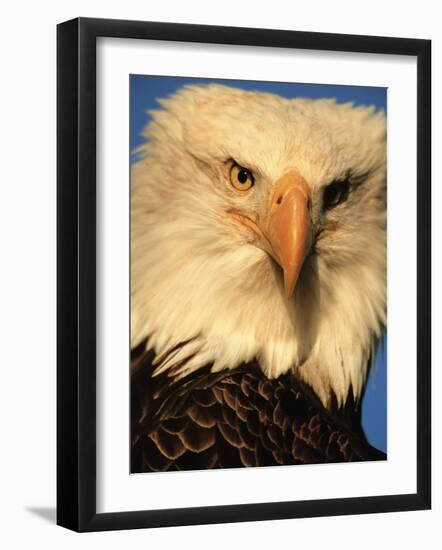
258, 280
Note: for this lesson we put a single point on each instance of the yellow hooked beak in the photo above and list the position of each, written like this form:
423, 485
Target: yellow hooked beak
286, 232
288, 227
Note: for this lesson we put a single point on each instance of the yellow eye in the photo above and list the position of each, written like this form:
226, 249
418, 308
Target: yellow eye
241, 178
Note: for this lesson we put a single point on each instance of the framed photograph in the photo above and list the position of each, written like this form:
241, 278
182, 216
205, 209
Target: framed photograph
243, 274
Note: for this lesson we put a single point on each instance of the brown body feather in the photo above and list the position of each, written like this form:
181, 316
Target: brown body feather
235, 419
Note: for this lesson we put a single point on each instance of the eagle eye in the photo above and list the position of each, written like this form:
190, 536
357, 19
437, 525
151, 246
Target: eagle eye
241, 178
335, 193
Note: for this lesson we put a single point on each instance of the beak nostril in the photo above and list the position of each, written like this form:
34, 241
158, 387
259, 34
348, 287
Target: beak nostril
279, 199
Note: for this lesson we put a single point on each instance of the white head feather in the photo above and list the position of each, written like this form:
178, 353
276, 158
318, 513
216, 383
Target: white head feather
197, 275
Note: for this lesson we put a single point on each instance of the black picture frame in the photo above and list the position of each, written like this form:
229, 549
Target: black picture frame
77, 287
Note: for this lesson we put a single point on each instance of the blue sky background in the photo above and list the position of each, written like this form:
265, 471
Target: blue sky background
144, 90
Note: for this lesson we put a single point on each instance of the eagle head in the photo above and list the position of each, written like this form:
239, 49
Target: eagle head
258, 232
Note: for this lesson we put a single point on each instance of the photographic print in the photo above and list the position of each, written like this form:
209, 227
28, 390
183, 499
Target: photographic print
222, 304
258, 273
